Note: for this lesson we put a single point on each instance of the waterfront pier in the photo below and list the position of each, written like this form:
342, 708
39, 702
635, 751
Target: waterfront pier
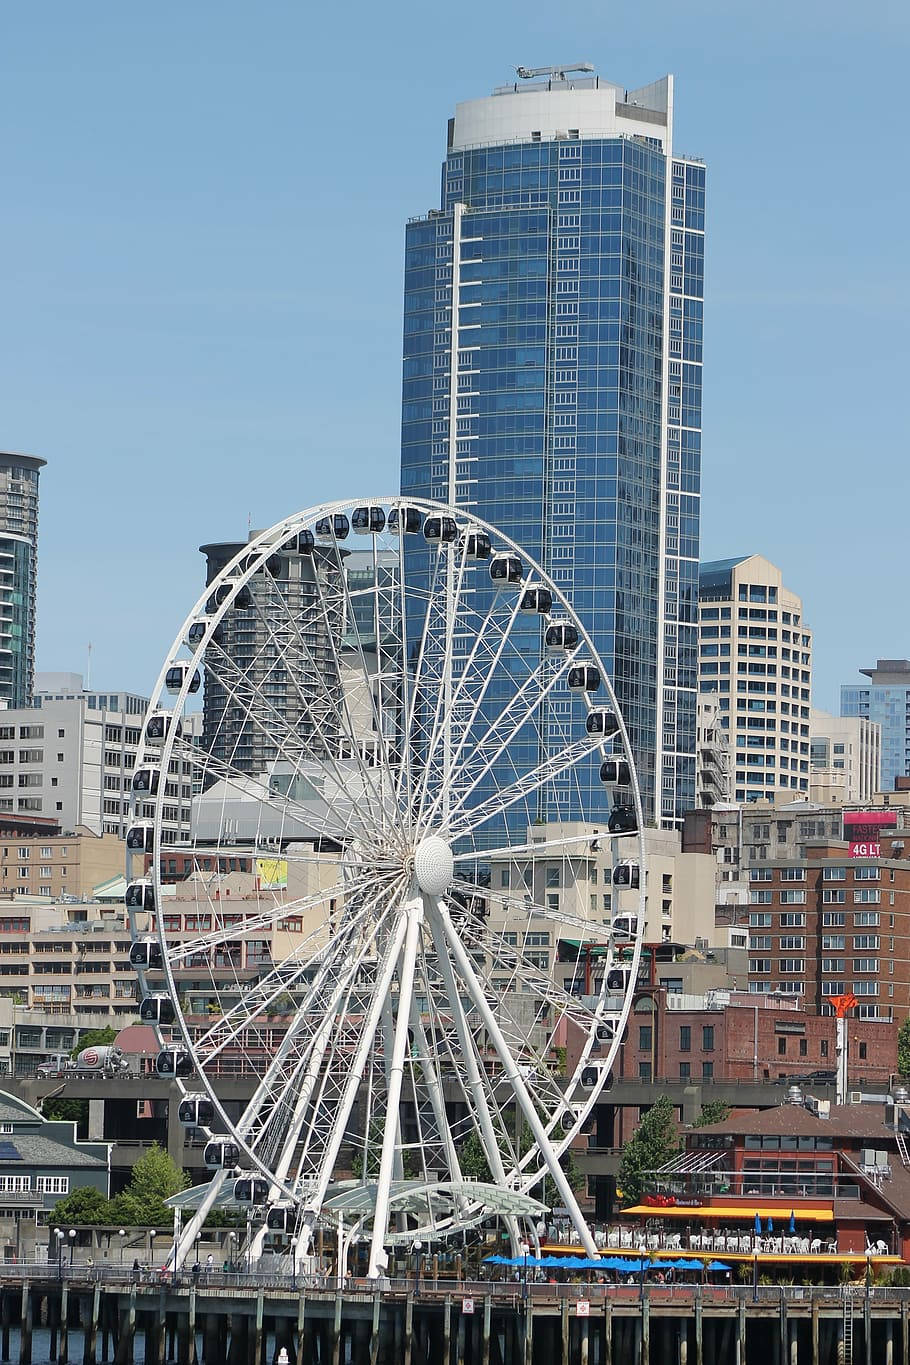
84, 1320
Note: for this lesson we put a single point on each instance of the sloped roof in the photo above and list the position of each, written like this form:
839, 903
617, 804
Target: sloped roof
845, 1121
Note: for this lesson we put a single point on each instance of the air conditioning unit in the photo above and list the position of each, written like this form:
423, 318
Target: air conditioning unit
855, 1097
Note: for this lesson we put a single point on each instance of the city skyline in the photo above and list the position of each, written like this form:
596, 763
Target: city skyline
169, 321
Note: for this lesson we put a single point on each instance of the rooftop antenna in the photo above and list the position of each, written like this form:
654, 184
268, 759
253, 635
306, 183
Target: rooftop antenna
527, 73
88, 668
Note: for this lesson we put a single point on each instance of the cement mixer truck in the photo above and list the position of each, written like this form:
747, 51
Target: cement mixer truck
105, 1060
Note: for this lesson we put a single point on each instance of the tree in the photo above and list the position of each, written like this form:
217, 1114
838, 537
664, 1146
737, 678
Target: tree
85, 1206
94, 1037
715, 1111
654, 1142
472, 1159
155, 1178
75, 1111
903, 1048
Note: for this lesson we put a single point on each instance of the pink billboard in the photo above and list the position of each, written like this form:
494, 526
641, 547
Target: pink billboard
862, 829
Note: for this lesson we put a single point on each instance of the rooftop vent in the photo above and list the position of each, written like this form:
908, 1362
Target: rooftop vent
794, 1095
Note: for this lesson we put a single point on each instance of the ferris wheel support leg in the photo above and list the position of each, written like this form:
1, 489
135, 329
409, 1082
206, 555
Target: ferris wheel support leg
352, 1085
513, 1076
414, 914
477, 1093
184, 1244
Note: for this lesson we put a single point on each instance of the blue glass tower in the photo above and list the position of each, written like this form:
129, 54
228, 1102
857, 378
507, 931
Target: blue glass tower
885, 699
552, 375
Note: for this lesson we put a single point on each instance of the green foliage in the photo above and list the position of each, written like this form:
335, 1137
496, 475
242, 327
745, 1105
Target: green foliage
86, 1207
410, 1161
72, 1111
903, 1048
154, 1179
94, 1037
473, 1163
715, 1111
900, 1276
654, 1142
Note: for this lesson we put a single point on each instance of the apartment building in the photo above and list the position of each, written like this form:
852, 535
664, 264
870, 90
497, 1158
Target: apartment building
846, 758
71, 755
55, 865
755, 652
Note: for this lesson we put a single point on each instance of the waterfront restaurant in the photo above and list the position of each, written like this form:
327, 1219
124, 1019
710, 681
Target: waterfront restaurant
807, 1180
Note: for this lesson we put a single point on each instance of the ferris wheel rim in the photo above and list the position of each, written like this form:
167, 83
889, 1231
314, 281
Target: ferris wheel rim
254, 554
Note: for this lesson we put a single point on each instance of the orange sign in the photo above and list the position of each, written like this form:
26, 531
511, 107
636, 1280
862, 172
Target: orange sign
843, 1003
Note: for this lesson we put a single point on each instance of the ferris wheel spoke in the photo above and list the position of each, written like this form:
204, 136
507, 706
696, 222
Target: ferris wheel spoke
486, 650
529, 782
337, 707
513, 1076
339, 823
521, 710
539, 846
264, 919
328, 1009
414, 680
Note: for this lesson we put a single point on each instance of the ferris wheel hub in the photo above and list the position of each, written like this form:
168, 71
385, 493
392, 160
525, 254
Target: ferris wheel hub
434, 866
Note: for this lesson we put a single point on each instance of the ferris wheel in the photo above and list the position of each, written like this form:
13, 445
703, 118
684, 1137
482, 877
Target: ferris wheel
392, 928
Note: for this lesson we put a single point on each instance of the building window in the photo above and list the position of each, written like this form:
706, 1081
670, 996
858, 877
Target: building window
707, 1038
685, 1038
707, 1070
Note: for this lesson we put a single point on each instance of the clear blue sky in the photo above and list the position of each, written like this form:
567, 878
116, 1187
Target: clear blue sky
201, 230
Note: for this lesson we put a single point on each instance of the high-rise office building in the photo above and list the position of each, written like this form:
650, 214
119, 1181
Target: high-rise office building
18, 575
552, 377
846, 759
755, 654
885, 699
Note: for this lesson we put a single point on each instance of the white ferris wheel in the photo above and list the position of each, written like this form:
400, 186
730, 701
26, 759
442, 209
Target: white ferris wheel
386, 931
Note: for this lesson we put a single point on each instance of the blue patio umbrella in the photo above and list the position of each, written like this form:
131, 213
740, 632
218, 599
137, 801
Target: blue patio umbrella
717, 1265
792, 1222
496, 1260
686, 1264
770, 1224
757, 1226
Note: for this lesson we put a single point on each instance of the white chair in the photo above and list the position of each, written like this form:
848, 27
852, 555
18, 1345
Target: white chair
695, 1242
804, 1246
625, 1237
674, 1243
832, 1247
745, 1244
815, 1245
653, 1241
600, 1238
881, 1248
613, 1237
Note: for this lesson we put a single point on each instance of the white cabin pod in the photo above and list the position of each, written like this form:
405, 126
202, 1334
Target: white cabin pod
145, 779
404, 521
157, 1009
335, 527
221, 1154
251, 1191
174, 1061
200, 631
626, 873
195, 1111
506, 569
368, 520
173, 678
146, 953
622, 820
583, 678
159, 725
440, 530
140, 837
306, 542
602, 722
614, 772
561, 635
281, 1218
140, 895
477, 545
536, 599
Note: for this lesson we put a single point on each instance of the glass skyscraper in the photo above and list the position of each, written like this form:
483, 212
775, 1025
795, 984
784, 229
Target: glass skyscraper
552, 375
885, 699
18, 575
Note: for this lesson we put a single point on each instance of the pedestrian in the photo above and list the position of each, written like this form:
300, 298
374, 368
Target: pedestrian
210, 1264
137, 1271
197, 1270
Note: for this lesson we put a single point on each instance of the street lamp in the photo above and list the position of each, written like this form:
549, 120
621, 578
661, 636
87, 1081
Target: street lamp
642, 1252
72, 1237
232, 1239
524, 1248
868, 1279
755, 1275
121, 1234
60, 1235
294, 1262
418, 1248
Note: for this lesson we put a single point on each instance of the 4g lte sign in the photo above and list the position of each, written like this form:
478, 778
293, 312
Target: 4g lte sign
863, 828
